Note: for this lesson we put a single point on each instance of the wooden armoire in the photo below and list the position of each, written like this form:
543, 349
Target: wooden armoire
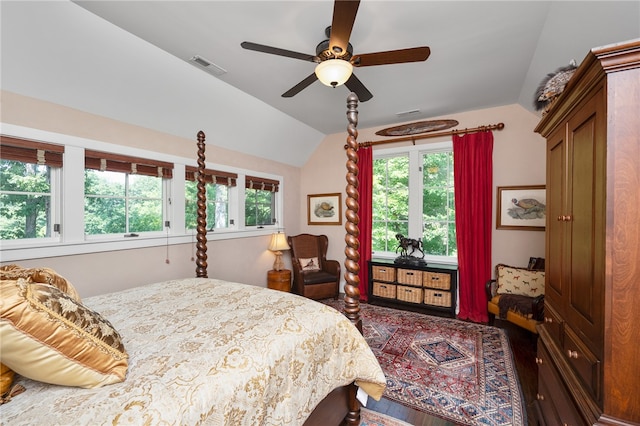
589, 346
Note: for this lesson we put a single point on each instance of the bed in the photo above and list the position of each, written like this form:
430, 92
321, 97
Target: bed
189, 351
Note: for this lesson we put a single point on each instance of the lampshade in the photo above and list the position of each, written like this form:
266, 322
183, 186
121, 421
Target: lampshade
278, 242
334, 72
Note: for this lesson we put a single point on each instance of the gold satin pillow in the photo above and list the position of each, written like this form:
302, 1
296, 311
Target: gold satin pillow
50, 337
39, 275
6, 379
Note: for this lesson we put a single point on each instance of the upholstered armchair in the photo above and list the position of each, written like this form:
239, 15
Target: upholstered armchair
517, 294
314, 276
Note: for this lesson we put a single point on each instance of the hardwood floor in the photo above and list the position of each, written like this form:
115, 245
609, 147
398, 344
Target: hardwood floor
523, 345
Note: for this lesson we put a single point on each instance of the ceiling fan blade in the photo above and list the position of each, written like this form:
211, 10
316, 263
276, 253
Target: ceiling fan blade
300, 86
277, 51
415, 54
356, 86
344, 15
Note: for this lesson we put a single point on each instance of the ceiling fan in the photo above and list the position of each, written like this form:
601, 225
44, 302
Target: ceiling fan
335, 57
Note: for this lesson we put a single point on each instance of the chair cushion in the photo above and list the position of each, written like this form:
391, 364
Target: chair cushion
317, 277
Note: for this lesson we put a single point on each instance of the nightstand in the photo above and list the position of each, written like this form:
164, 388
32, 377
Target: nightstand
279, 280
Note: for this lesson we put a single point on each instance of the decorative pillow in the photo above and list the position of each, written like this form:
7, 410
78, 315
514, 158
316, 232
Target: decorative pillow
521, 281
6, 379
39, 275
310, 264
50, 337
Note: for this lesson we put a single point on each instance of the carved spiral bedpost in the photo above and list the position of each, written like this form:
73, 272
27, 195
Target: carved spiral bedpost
201, 229
352, 266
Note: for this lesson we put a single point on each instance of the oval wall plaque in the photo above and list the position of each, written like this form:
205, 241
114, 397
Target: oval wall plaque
417, 128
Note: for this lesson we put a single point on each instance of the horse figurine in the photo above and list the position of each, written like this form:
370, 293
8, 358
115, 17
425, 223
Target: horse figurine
405, 243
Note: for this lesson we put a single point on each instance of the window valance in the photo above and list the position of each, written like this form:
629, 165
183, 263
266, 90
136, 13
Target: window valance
254, 182
26, 151
104, 161
212, 176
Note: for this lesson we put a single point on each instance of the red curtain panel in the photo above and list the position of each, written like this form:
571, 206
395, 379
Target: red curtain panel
365, 185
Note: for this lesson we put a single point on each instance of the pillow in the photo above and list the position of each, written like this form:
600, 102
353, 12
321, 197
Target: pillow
50, 337
310, 264
39, 275
6, 379
521, 281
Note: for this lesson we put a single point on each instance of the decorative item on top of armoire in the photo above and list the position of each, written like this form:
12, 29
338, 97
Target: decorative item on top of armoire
588, 352
324, 209
521, 207
552, 86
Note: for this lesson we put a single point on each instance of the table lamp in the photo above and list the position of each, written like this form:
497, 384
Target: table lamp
277, 244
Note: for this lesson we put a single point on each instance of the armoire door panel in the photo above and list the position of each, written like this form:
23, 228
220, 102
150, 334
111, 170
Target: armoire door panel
555, 247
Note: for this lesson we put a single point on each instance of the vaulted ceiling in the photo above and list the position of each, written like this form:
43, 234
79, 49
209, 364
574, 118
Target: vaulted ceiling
130, 60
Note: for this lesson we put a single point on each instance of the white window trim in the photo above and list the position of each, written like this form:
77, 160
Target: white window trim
415, 153
72, 240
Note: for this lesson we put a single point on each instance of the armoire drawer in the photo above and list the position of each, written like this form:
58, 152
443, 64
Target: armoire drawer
552, 323
553, 398
584, 363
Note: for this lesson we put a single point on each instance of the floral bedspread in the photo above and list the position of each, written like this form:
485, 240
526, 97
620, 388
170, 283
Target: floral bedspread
205, 351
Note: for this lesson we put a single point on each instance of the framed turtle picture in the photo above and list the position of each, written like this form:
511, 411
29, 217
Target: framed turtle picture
521, 207
324, 209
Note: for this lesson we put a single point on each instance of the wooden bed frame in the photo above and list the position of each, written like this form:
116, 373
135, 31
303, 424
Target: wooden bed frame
340, 407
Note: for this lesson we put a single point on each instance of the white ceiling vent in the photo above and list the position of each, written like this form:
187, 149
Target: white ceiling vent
406, 113
207, 65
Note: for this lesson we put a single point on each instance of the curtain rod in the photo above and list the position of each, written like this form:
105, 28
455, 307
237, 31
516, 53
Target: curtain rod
413, 139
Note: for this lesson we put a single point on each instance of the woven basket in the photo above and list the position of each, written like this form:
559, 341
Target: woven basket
384, 273
436, 280
384, 290
407, 276
409, 294
437, 298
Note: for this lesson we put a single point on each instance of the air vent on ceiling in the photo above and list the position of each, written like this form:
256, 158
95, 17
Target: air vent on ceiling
405, 113
208, 66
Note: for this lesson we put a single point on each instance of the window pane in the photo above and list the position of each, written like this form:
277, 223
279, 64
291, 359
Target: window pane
24, 216
25, 200
104, 183
145, 215
390, 201
259, 207
118, 203
438, 208
104, 215
217, 206
145, 186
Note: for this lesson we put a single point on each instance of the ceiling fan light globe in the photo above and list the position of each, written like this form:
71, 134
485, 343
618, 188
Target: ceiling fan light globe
334, 72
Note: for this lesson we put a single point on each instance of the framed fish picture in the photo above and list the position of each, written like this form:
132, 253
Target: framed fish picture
324, 209
521, 207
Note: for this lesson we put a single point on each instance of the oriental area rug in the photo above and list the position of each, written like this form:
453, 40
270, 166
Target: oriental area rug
459, 371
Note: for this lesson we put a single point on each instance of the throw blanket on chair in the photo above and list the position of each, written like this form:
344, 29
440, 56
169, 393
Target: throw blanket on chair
515, 302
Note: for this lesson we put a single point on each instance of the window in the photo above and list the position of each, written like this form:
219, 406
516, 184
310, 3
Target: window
390, 201
260, 201
438, 208
218, 185
413, 195
123, 195
28, 184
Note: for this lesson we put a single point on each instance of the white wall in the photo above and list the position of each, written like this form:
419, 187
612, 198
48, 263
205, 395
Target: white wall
518, 159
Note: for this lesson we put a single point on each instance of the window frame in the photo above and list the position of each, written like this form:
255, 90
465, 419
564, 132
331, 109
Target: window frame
415, 225
55, 213
73, 241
